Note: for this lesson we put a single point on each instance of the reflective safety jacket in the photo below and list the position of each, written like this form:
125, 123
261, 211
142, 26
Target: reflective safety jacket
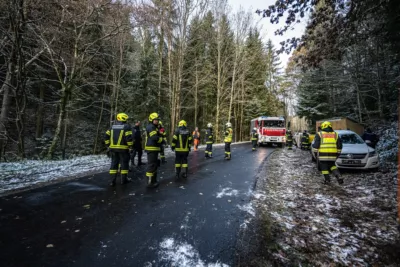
119, 137
289, 137
305, 139
328, 144
254, 136
228, 135
153, 138
209, 136
182, 140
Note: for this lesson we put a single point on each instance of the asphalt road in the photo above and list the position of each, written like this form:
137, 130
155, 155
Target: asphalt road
85, 222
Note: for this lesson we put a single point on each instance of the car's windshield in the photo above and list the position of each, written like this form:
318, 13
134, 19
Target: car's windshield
351, 139
279, 124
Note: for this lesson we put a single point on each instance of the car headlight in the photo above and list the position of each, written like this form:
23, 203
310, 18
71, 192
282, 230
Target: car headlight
371, 154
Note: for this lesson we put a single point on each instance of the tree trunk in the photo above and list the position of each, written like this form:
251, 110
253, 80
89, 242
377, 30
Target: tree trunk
61, 117
196, 89
96, 139
5, 108
39, 113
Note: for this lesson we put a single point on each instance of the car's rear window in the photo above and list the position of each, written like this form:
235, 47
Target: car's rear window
351, 139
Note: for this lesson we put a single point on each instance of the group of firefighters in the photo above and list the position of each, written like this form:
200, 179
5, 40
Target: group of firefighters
121, 140
124, 143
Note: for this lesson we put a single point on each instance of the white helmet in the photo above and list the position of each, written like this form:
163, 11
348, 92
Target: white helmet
255, 129
228, 124
209, 125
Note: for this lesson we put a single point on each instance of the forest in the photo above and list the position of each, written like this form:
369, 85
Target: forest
68, 67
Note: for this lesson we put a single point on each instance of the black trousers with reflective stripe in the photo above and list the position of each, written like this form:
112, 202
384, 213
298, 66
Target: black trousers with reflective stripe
209, 149
152, 163
227, 148
328, 166
254, 143
181, 160
120, 158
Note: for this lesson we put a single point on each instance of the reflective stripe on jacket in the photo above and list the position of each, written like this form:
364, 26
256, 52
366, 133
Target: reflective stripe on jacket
209, 136
182, 140
228, 135
305, 139
328, 149
254, 136
153, 138
119, 137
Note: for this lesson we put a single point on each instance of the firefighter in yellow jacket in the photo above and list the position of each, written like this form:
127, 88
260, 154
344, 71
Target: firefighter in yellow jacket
228, 140
181, 142
119, 140
329, 146
152, 148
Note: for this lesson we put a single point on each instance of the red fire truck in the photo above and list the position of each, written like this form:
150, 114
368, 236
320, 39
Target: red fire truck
271, 130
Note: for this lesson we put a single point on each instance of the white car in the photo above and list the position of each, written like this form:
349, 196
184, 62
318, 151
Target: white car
356, 154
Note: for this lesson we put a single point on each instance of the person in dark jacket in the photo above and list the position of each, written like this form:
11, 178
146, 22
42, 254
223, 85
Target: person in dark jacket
119, 140
289, 139
370, 138
329, 147
254, 139
305, 140
181, 142
153, 143
163, 133
209, 140
137, 145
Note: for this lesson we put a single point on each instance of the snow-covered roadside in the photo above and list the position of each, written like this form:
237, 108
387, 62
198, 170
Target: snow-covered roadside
302, 221
25, 174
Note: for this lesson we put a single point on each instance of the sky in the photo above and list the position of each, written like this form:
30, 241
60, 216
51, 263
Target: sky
268, 29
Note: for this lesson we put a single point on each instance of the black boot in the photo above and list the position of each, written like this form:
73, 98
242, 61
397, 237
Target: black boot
153, 182
125, 179
339, 179
184, 173
177, 173
114, 179
327, 179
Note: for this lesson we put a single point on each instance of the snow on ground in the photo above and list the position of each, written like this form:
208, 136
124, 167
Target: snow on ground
326, 225
28, 173
17, 175
227, 192
174, 253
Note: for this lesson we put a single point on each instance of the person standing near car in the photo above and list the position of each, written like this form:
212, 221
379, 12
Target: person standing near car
370, 138
329, 146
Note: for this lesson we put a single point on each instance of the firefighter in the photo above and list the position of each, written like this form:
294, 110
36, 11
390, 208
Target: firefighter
196, 138
163, 133
254, 139
329, 147
209, 140
228, 140
119, 140
289, 139
181, 142
305, 140
137, 145
152, 148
